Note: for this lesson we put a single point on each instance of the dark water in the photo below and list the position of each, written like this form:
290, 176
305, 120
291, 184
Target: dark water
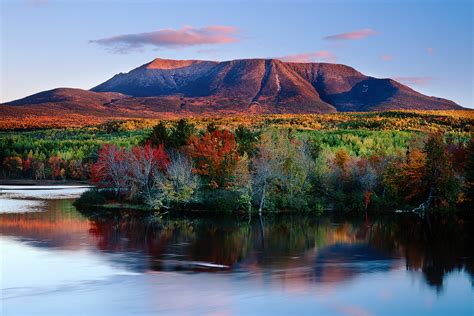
56, 261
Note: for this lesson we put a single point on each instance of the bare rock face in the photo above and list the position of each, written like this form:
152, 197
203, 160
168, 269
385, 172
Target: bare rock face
236, 87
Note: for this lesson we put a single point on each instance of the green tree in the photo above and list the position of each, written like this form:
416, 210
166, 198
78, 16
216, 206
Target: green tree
247, 140
182, 133
159, 135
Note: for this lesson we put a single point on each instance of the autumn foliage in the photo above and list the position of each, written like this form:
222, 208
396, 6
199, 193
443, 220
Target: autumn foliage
344, 162
215, 155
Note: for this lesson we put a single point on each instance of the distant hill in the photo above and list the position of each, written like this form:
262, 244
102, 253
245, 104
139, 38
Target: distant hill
174, 88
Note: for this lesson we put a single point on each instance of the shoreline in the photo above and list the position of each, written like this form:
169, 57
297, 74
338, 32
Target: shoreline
31, 182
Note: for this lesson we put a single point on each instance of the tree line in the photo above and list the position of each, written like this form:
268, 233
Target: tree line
282, 169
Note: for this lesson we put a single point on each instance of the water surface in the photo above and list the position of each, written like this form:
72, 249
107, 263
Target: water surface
57, 261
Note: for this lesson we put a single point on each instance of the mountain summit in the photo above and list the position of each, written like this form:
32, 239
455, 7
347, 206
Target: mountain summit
269, 85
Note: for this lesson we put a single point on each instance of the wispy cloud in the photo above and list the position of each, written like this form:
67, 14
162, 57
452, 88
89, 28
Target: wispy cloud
430, 50
386, 57
354, 35
417, 81
171, 38
322, 55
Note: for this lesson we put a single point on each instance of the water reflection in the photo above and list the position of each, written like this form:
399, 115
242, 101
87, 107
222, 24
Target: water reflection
294, 250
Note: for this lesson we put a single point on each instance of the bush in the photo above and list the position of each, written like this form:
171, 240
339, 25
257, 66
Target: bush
90, 198
222, 200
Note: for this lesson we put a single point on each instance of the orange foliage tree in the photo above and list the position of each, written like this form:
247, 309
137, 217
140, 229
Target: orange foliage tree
406, 178
57, 166
215, 155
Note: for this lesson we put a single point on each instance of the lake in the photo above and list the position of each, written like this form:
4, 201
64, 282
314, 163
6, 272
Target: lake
58, 261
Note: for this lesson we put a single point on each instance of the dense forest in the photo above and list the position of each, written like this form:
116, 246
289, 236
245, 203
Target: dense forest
347, 162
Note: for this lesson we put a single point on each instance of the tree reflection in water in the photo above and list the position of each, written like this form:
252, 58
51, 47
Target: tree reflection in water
297, 249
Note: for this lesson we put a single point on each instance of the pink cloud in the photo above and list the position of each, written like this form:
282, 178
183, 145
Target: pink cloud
430, 50
186, 36
387, 57
417, 81
323, 55
354, 35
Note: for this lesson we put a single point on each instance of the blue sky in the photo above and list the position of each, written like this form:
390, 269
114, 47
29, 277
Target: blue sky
426, 44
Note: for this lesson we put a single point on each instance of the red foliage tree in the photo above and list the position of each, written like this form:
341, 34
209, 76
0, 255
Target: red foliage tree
110, 168
144, 164
57, 167
26, 167
149, 158
215, 155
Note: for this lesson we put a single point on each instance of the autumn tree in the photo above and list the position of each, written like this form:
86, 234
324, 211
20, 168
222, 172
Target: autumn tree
77, 169
426, 177
26, 167
38, 168
341, 158
13, 165
110, 169
439, 174
57, 167
215, 156
281, 171
176, 185
143, 164
405, 178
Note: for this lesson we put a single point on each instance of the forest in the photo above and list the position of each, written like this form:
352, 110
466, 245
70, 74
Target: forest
350, 163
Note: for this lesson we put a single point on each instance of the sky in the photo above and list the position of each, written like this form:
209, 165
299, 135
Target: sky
425, 44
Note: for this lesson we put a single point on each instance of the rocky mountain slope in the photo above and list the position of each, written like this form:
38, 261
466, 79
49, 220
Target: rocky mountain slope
270, 85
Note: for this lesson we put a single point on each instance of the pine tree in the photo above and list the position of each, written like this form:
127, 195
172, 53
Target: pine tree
159, 136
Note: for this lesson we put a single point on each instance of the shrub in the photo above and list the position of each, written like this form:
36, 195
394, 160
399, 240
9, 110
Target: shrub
90, 198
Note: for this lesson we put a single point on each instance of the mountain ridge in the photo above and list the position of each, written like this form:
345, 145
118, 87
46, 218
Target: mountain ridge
315, 87
242, 86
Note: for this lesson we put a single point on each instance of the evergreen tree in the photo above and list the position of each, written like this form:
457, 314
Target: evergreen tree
247, 140
181, 133
159, 136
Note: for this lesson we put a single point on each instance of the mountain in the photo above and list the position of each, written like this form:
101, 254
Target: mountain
171, 88
270, 85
